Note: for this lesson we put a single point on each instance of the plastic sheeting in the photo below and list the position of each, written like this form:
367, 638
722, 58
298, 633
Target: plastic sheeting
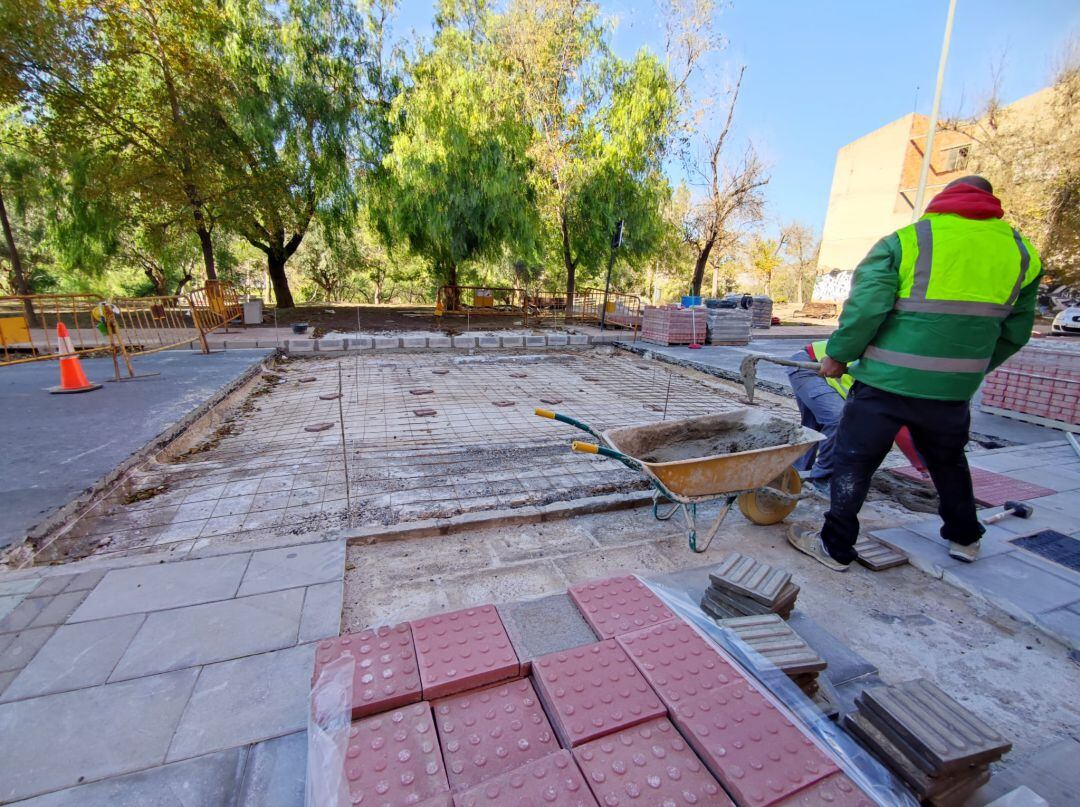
329, 720
869, 774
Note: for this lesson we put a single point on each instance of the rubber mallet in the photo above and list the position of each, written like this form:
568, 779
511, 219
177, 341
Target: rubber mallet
1018, 509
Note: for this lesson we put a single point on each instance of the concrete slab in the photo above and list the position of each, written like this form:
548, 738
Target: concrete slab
216, 631
305, 565
20, 587
545, 625
209, 780
98, 732
37, 477
167, 585
22, 646
1015, 585
276, 773
321, 617
244, 701
78, 655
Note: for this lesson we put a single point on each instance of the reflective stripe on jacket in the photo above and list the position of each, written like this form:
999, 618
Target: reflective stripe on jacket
816, 351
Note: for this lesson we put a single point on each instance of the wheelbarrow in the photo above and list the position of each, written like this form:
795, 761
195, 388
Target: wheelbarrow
743, 457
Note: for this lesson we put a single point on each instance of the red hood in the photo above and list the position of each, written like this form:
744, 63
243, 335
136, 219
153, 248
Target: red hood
967, 201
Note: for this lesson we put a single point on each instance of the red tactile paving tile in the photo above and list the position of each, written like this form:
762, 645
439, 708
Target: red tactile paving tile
487, 732
553, 780
618, 605
991, 489
758, 754
679, 664
833, 791
393, 759
647, 764
593, 690
385, 675
462, 650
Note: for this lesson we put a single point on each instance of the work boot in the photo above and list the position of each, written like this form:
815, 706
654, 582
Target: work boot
821, 488
809, 543
968, 553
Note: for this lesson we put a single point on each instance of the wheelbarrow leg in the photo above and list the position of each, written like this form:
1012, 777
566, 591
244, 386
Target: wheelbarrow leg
713, 528
656, 497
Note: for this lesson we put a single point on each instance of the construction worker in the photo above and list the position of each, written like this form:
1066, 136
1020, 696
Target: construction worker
933, 308
821, 402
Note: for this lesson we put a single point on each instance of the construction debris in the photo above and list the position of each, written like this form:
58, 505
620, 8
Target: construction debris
933, 743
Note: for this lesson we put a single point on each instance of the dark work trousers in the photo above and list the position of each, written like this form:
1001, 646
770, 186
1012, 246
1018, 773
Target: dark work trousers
871, 419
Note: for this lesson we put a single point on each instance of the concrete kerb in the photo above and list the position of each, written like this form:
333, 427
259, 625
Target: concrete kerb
48, 529
432, 527
469, 342
643, 350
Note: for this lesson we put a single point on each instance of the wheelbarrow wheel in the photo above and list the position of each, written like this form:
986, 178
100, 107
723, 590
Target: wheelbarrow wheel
762, 508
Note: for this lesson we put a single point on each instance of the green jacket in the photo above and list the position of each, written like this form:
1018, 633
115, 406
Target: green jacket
870, 318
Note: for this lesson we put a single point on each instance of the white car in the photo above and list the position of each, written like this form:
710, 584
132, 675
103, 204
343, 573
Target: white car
1067, 322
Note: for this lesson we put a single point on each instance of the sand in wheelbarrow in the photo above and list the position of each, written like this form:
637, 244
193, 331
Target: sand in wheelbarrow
689, 441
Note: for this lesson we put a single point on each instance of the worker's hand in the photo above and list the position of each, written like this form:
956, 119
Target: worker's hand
831, 368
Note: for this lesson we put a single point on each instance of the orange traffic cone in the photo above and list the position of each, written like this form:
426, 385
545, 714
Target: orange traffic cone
72, 377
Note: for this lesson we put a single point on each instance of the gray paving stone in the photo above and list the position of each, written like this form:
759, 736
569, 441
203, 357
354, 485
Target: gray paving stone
321, 617
208, 781
52, 585
78, 655
535, 341
439, 341
387, 342
487, 341
579, 339
6, 678
557, 339
1044, 518
413, 342
20, 585
464, 341
844, 663
276, 773
215, 631
22, 647
1018, 587
1064, 623
8, 603
1058, 479
546, 625
1067, 503
89, 734
293, 566
23, 614
162, 586
57, 609
512, 341
246, 700
929, 555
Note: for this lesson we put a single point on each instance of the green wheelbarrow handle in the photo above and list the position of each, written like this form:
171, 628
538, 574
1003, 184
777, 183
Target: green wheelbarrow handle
569, 421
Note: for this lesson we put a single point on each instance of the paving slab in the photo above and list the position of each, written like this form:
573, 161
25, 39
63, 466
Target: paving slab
53, 585
777, 642
746, 576
384, 673
542, 626
618, 605
877, 556
488, 732
756, 751
394, 758
1019, 586
244, 701
22, 612
291, 566
162, 586
554, 779
213, 631
78, 655
98, 732
844, 664
940, 730
593, 690
208, 780
833, 791
679, 664
462, 650
649, 763
275, 774
747, 606
22, 646
321, 617
21, 586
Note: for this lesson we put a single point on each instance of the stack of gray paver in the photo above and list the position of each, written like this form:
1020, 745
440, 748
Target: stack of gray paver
779, 646
933, 743
762, 311
729, 326
743, 586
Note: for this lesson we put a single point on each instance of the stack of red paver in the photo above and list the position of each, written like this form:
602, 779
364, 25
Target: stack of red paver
1039, 383
650, 714
671, 325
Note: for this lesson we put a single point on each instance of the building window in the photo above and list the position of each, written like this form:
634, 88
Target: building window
956, 158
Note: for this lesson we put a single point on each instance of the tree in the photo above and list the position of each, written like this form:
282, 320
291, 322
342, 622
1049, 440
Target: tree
763, 255
129, 81
801, 247
728, 193
455, 185
601, 126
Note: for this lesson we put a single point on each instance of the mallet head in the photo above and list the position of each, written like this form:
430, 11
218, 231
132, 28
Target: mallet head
1020, 509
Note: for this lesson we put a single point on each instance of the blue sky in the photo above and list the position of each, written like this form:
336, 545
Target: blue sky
823, 73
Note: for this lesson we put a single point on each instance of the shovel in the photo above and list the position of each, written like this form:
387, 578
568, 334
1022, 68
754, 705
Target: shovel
748, 369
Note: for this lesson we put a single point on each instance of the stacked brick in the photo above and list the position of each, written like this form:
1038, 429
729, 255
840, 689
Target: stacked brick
671, 325
762, 311
729, 326
438, 713
1039, 384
